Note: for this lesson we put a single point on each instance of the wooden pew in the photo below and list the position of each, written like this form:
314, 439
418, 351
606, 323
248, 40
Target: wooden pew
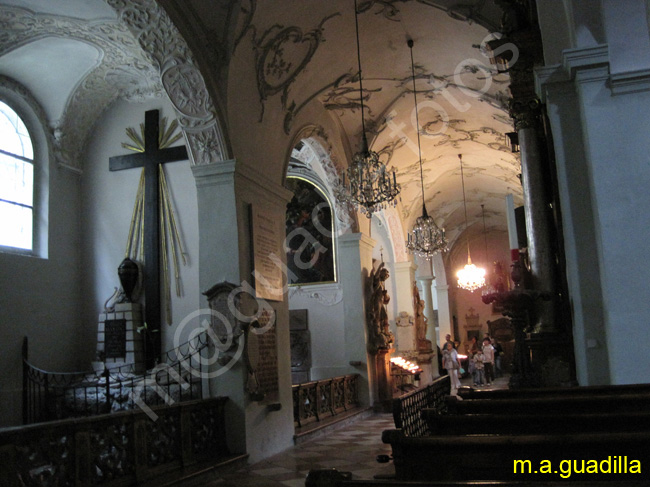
545, 423
566, 403
334, 478
544, 457
474, 393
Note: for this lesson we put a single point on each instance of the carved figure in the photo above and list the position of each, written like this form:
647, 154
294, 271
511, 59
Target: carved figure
421, 324
380, 336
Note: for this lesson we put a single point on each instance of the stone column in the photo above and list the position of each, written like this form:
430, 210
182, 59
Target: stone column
404, 279
538, 182
217, 212
444, 316
538, 223
432, 323
355, 258
584, 276
225, 191
525, 110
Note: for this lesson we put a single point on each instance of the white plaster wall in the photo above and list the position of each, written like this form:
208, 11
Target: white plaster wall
617, 148
326, 327
39, 297
107, 202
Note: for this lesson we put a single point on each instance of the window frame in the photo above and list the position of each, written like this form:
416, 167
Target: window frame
18, 99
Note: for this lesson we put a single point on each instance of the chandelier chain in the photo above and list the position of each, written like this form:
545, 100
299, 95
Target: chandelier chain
370, 187
417, 119
462, 180
363, 123
425, 239
470, 277
485, 234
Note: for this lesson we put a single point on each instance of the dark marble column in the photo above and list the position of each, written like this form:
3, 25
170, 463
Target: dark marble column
544, 336
538, 222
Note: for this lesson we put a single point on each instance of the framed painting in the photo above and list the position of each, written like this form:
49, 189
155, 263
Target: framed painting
309, 240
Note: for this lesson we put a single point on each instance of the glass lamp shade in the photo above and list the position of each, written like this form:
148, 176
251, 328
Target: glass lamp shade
426, 239
471, 277
370, 187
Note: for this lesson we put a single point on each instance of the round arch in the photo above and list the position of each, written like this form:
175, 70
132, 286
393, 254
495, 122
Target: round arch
199, 118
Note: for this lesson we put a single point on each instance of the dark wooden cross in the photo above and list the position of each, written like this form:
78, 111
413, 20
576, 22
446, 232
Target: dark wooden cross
151, 159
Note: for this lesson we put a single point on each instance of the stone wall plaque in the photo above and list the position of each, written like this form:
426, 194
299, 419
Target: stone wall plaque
266, 242
262, 359
115, 338
223, 321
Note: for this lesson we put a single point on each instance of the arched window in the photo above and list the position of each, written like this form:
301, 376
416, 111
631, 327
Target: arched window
310, 227
16, 181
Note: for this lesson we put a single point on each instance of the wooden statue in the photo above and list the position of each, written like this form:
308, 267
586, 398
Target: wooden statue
420, 321
379, 334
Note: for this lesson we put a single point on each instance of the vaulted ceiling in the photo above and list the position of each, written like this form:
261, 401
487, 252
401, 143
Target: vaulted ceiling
77, 57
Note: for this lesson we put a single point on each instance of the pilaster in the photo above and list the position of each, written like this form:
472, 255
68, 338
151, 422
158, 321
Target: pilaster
432, 325
225, 192
444, 316
355, 254
404, 279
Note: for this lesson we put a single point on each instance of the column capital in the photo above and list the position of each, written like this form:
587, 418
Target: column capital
359, 239
444, 287
405, 265
525, 112
215, 173
236, 172
253, 178
428, 279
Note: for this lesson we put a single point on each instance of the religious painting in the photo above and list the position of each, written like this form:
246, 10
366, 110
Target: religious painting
309, 239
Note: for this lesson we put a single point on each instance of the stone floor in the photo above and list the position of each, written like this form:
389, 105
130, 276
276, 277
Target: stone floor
352, 448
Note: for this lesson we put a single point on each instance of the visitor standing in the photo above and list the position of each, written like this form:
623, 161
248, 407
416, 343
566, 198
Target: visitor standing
451, 364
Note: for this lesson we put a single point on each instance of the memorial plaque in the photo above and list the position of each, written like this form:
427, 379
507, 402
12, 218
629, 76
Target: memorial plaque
267, 367
262, 358
224, 323
115, 338
266, 239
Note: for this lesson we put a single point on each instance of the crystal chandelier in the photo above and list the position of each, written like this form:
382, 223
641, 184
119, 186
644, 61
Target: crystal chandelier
425, 239
470, 277
369, 186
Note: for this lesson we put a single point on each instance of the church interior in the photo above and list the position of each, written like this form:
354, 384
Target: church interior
235, 224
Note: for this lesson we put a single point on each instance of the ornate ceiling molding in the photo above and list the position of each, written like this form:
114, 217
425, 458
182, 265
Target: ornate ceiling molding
160, 40
123, 72
465, 12
281, 55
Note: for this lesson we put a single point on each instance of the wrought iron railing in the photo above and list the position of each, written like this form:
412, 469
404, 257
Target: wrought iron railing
407, 409
50, 396
121, 449
321, 399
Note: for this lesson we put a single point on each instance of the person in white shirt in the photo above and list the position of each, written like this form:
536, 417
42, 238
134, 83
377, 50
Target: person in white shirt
451, 363
488, 360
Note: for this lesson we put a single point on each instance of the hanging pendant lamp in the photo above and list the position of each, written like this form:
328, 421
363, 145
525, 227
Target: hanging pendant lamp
369, 187
425, 239
470, 277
